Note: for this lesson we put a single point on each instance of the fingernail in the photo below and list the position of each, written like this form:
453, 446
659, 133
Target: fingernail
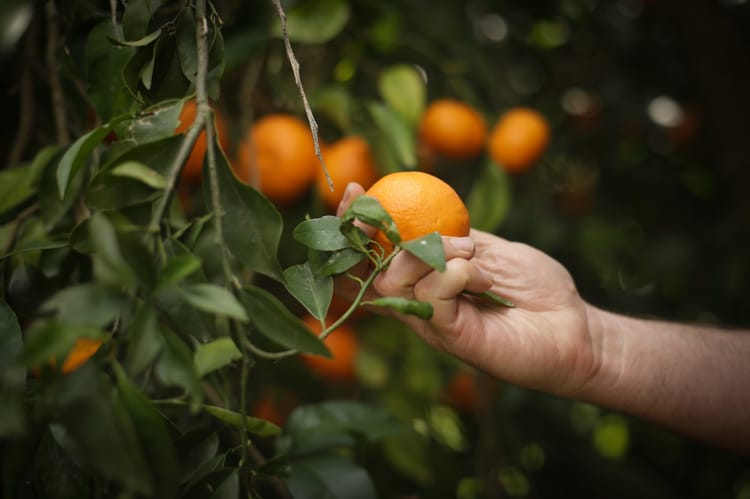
464, 244
347, 195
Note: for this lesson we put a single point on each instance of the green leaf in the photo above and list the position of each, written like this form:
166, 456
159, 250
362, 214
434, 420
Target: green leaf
153, 435
339, 262
175, 368
11, 342
429, 249
322, 233
35, 245
187, 52
85, 304
420, 309
105, 62
145, 341
368, 210
146, 40
19, 183
137, 17
336, 103
315, 21
274, 321
153, 124
313, 291
252, 224
403, 89
329, 476
309, 426
399, 136
214, 355
78, 153
214, 300
177, 268
110, 266
256, 426
490, 198
140, 172
95, 426
12, 374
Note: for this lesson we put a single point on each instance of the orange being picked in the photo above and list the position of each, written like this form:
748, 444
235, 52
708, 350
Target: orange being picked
348, 160
453, 129
193, 170
419, 203
278, 157
518, 139
343, 344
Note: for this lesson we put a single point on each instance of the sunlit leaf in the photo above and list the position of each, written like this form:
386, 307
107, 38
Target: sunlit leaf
315, 21
214, 299
256, 426
368, 210
322, 233
215, 354
140, 172
313, 291
274, 321
427, 248
403, 89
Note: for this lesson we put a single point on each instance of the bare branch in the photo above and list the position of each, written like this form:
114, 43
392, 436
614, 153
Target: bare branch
298, 81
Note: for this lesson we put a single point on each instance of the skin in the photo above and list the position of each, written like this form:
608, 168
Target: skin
689, 378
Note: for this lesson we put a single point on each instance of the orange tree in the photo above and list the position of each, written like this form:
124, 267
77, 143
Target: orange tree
141, 339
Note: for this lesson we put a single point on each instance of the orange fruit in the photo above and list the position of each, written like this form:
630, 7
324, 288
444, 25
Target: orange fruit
453, 129
462, 391
419, 204
342, 343
278, 157
83, 350
347, 160
193, 170
518, 139
274, 405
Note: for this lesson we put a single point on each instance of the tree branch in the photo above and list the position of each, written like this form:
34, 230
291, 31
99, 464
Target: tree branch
56, 89
298, 81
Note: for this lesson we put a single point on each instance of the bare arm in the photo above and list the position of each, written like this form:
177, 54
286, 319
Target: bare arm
693, 379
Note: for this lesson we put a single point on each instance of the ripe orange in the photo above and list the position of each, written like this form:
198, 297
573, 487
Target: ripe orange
342, 343
419, 204
462, 391
453, 129
274, 405
278, 157
348, 160
518, 139
193, 170
82, 351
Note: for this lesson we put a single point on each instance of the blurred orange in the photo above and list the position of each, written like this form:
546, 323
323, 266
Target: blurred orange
347, 160
343, 344
453, 129
518, 139
278, 157
193, 171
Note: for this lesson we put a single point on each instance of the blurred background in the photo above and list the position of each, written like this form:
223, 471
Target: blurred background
641, 194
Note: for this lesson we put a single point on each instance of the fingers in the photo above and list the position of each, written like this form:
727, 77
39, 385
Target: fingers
406, 269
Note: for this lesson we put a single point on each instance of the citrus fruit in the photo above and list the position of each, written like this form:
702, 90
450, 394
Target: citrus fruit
518, 139
419, 203
83, 350
343, 344
278, 157
274, 405
193, 170
453, 129
462, 391
347, 160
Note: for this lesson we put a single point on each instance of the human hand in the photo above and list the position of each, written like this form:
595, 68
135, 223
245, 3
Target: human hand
544, 342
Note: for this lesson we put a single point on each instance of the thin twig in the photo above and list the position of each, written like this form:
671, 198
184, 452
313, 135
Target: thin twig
56, 89
298, 81
115, 27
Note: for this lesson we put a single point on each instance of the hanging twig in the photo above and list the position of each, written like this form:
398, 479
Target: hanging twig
298, 81
55, 84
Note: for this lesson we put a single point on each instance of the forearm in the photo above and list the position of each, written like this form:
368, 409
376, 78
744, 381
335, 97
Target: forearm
692, 379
